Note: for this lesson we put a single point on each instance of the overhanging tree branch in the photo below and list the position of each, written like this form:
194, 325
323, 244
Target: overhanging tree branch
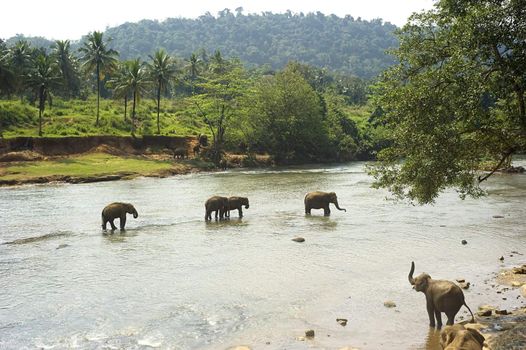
504, 157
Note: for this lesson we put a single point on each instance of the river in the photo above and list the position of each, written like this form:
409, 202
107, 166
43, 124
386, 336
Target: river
173, 281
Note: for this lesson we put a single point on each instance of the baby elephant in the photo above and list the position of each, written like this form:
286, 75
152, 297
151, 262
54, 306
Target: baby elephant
441, 296
217, 204
237, 203
457, 337
117, 210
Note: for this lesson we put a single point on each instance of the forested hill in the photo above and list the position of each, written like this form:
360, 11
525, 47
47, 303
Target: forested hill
342, 44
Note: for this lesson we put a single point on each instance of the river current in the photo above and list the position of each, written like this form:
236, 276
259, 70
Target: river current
173, 281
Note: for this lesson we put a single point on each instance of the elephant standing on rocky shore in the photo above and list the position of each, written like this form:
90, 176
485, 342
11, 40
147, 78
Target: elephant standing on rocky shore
117, 210
237, 203
217, 204
321, 200
441, 296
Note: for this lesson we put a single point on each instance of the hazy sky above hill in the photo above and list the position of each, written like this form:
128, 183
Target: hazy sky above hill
61, 19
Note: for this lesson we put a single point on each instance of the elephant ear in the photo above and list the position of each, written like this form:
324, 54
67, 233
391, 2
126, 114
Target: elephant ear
476, 334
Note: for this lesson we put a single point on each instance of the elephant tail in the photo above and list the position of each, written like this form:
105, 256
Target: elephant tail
102, 219
472, 317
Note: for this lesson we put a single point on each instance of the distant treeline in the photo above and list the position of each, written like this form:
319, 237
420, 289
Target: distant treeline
347, 45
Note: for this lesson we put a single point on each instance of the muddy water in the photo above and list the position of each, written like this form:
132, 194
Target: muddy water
173, 281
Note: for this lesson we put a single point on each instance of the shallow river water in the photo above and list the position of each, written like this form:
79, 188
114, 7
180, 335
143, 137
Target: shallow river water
172, 281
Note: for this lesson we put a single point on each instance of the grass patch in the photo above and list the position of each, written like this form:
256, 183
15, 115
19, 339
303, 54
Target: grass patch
84, 165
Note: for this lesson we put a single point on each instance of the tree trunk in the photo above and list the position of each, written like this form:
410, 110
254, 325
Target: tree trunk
98, 93
125, 106
158, 107
39, 121
133, 111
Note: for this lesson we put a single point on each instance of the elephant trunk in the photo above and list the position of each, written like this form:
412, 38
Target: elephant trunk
410, 277
338, 207
135, 214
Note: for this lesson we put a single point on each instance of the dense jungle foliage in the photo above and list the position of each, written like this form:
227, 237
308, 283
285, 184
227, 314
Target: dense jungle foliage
299, 113
346, 45
455, 100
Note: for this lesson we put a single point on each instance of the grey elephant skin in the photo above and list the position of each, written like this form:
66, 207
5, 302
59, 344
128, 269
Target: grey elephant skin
216, 204
181, 152
117, 210
457, 337
237, 203
441, 296
321, 200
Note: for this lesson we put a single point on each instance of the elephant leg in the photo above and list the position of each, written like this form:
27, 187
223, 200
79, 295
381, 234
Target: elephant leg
326, 211
450, 318
438, 316
123, 221
307, 210
216, 213
104, 223
113, 227
431, 314
240, 212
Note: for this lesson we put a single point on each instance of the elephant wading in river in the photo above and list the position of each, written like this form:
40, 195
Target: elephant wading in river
441, 296
457, 337
237, 203
321, 200
218, 204
117, 210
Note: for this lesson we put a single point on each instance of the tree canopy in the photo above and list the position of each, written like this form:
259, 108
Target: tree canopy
455, 100
347, 45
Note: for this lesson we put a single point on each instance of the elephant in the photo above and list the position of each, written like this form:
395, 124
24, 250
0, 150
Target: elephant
237, 203
197, 149
441, 296
203, 140
457, 337
319, 200
181, 152
117, 210
218, 204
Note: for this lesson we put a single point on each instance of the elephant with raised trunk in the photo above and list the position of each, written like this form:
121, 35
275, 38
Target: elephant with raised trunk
117, 210
237, 203
441, 296
458, 337
218, 205
321, 200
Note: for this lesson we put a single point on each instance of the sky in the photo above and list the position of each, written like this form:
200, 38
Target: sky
63, 19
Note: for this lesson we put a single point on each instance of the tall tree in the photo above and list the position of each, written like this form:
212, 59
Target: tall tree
67, 64
219, 104
120, 84
99, 59
455, 99
138, 83
20, 59
287, 117
162, 71
6, 71
43, 77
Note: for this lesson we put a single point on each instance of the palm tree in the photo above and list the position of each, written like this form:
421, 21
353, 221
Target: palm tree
162, 71
67, 64
43, 77
138, 82
120, 84
20, 58
193, 69
7, 78
99, 59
